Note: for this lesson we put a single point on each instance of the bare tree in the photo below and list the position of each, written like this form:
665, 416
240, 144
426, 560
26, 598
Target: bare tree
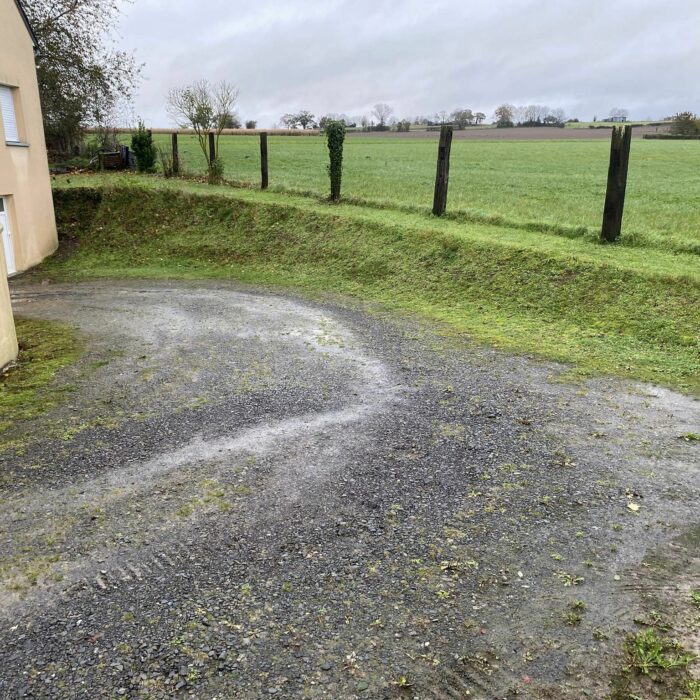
205, 108
383, 113
619, 113
558, 115
441, 116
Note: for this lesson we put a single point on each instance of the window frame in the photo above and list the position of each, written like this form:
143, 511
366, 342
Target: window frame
12, 91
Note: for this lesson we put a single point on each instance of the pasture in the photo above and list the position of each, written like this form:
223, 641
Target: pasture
534, 184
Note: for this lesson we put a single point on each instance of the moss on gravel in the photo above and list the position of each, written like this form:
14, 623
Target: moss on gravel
28, 388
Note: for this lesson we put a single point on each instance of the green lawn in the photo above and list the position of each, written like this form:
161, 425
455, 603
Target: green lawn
536, 183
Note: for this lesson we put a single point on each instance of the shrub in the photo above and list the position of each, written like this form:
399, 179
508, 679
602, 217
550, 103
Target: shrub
166, 162
251, 124
403, 125
685, 124
144, 149
335, 136
216, 172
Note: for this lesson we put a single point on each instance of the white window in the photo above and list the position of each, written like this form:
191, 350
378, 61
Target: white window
7, 109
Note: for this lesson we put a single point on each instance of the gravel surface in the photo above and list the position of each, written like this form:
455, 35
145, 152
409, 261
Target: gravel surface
246, 495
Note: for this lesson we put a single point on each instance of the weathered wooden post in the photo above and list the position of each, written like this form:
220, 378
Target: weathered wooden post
617, 182
263, 161
176, 156
443, 171
212, 148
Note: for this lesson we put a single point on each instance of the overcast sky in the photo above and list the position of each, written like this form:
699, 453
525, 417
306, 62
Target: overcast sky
420, 56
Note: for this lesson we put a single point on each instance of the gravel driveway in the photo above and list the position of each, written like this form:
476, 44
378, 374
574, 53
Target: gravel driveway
247, 495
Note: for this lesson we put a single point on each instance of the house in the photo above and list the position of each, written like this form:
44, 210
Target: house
26, 207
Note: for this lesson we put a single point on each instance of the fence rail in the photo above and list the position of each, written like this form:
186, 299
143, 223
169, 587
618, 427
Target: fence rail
225, 132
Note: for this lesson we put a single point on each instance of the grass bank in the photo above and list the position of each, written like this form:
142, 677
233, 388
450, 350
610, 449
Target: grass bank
605, 309
557, 184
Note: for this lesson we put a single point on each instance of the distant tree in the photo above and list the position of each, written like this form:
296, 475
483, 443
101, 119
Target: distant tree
383, 113
685, 124
479, 117
305, 119
504, 115
204, 108
364, 122
531, 115
290, 121
619, 113
144, 149
403, 125
326, 119
441, 116
81, 77
251, 124
462, 117
348, 121
230, 120
559, 115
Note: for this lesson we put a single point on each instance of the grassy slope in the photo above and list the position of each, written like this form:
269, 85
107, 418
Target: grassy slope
554, 182
606, 309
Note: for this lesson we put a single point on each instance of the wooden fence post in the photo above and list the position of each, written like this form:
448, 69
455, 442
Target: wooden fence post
443, 171
263, 161
176, 156
617, 182
212, 148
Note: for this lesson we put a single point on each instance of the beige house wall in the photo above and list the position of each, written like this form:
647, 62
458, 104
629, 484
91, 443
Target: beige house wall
8, 337
24, 170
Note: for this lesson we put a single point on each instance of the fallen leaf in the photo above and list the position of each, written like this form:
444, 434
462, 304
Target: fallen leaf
634, 507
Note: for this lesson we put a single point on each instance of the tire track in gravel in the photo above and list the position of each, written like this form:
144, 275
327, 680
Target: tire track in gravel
423, 522
304, 331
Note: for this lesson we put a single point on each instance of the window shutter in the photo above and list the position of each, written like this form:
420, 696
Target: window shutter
7, 109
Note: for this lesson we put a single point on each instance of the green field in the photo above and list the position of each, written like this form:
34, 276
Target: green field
538, 184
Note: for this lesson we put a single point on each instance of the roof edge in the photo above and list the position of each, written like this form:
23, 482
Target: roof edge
28, 25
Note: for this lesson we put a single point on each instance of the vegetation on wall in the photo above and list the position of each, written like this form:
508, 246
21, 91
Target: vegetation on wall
335, 136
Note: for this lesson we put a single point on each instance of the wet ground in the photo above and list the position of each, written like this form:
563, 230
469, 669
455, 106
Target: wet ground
247, 495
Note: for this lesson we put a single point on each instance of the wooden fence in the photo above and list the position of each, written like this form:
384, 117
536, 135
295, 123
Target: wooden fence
613, 209
225, 132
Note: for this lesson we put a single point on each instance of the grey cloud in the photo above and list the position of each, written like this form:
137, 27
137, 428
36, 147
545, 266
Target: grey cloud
342, 56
